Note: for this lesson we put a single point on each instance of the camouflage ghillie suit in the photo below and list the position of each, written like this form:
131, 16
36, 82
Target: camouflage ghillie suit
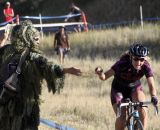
21, 110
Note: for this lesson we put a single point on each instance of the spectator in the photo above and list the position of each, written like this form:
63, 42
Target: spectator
21, 84
8, 13
75, 11
6, 35
61, 43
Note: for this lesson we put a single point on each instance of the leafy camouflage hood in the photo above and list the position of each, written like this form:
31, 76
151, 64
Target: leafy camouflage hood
25, 35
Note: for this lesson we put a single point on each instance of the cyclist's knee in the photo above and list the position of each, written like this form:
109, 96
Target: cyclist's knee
143, 112
138, 94
143, 116
122, 117
120, 123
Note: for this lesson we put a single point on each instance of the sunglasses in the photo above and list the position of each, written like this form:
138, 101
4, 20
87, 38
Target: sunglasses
138, 59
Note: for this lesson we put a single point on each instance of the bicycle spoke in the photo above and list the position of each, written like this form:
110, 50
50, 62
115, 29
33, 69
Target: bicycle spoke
137, 125
133, 122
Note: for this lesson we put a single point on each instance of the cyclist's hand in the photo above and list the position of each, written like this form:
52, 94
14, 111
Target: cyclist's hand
154, 100
98, 70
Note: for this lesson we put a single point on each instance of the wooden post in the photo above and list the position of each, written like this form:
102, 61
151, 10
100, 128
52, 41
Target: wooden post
141, 15
40, 18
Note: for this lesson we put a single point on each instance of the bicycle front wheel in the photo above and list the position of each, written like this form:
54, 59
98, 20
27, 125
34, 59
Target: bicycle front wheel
137, 125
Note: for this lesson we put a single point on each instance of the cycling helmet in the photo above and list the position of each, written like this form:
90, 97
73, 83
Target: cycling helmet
138, 50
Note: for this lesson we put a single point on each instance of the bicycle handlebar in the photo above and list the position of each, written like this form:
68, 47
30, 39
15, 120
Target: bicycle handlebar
138, 104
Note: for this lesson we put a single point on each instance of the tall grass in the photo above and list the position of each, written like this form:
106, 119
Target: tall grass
109, 43
84, 103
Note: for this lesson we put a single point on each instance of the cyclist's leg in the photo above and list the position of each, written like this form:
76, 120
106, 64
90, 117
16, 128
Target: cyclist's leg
61, 58
120, 121
138, 95
137, 125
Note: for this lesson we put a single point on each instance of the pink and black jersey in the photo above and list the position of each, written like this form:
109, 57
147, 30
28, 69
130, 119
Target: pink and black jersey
125, 73
127, 79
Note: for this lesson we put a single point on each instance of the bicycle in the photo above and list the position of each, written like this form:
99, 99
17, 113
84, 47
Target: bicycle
133, 121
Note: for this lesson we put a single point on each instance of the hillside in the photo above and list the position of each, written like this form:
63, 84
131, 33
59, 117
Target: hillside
97, 11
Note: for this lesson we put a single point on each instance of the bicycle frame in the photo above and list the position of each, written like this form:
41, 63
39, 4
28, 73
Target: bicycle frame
132, 116
133, 122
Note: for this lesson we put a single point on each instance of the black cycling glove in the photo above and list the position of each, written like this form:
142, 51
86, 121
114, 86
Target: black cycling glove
154, 100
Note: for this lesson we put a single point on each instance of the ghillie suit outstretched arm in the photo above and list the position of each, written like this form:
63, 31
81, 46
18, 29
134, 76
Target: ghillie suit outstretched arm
21, 111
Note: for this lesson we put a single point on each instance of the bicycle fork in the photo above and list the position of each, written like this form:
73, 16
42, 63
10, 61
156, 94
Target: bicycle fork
134, 115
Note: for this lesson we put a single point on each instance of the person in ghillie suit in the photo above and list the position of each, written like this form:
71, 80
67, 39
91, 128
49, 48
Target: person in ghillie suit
19, 104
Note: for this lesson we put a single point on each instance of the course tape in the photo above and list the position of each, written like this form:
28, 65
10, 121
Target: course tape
151, 19
5, 23
49, 25
57, 24
55, 125
43, 17
49, 17
2, 25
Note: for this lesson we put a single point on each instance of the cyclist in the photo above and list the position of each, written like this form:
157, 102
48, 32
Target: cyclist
127, 72
75, 11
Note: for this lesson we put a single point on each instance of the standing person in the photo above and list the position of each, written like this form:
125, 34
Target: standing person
8, 13
19, 103
61, 43
6, 35
75, 11
127, 73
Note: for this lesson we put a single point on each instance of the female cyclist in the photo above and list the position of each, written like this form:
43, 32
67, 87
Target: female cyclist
127, 72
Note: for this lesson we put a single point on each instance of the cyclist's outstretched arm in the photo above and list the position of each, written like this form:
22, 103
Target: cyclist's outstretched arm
152, 90
151, 86
104, 75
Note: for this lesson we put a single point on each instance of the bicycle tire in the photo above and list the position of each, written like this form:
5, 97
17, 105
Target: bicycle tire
137, 125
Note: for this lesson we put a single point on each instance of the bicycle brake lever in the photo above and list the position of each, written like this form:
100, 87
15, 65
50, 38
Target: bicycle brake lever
118, 114
156, 110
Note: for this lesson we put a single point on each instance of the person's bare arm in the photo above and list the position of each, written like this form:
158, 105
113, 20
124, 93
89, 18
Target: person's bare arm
12, 14
105, 75
153, 92
4, 13
68, 43
72, 70
68, 16
77, 8
151, 86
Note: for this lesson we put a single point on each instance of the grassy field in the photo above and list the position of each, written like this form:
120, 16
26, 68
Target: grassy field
84, 103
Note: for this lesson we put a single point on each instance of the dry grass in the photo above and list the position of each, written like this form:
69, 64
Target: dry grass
108, 43
84, 103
